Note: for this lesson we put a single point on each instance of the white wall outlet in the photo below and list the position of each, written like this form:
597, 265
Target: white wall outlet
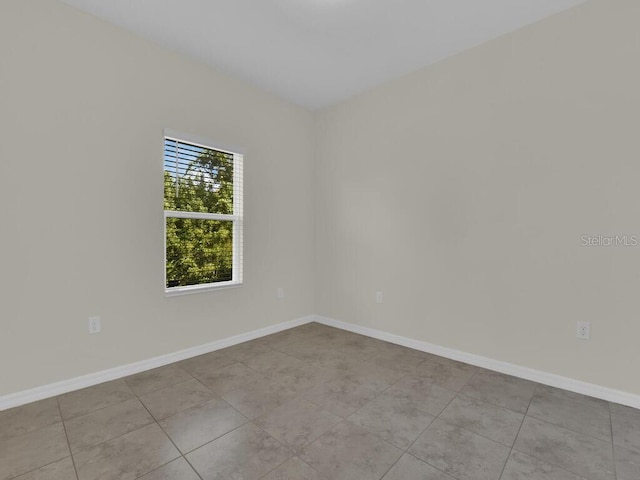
378, 297
280, 293
584, 331
94, 325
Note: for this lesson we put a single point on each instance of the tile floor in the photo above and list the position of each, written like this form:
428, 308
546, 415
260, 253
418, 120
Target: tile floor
314, 403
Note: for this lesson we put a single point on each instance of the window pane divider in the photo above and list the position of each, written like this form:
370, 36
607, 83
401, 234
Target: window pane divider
201, 215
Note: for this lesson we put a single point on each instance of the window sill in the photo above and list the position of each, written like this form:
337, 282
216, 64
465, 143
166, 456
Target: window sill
178, 291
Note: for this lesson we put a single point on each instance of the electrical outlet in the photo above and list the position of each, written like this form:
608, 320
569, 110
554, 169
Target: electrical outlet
584, 331
94, 325
378, 297
280, 293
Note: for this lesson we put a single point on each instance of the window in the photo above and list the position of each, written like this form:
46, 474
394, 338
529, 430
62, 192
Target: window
202, 216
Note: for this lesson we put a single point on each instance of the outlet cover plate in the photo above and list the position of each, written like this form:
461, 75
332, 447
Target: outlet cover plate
94, 325
584, 331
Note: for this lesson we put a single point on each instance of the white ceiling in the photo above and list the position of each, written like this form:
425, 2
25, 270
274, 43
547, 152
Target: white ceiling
317, 52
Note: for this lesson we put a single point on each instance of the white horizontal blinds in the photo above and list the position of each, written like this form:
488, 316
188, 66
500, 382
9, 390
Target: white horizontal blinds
203, 215
205, 175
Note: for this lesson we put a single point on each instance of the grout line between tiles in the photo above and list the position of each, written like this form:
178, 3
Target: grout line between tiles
57, 397
307, 464
66, 436
214, 439
559, 467
156, 419
192, 467
571, 429
433, 466
180, 454
613, 445
438, 417
524, 417
435, 417
162, 466
495, 405
476, 433
159, 388
38, 468
545, 460
392, 465
559, 426
113, 438
293, 454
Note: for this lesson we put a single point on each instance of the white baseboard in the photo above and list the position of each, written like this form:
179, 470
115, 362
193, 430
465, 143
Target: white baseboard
27, 396
553, 380
58, 388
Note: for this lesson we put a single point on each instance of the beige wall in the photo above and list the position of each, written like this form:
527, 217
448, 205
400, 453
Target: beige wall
83, 106
462, 192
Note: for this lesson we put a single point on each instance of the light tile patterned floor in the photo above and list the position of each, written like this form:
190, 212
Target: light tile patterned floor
317, 403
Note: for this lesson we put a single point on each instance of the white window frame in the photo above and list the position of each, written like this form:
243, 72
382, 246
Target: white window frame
236, 218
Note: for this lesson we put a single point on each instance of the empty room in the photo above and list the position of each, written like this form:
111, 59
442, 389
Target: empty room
320, 240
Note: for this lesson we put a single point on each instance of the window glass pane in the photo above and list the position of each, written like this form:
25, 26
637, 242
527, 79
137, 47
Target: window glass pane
197, 179
198, 251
